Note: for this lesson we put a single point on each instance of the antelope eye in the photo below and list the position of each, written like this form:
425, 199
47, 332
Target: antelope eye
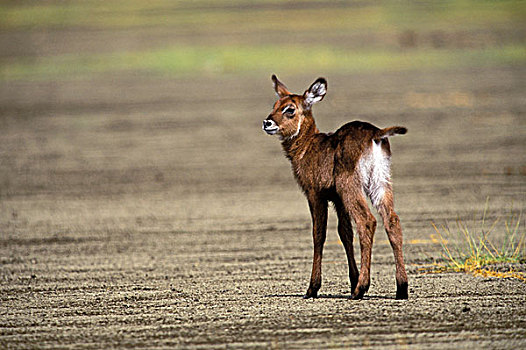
289, 111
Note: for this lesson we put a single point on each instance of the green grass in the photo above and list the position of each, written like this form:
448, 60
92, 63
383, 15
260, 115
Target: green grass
196, 23
201, 60
475, 250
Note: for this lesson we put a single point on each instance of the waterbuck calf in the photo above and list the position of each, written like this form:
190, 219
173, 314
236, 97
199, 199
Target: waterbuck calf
343, 168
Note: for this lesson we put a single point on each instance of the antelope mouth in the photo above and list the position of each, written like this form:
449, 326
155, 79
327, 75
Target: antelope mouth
271, 131
270, 127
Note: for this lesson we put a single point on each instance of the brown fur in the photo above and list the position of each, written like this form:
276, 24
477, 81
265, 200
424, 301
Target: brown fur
326, 168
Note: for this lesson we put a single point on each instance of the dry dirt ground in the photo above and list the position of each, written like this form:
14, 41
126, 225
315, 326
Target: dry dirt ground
152, 211
155, 213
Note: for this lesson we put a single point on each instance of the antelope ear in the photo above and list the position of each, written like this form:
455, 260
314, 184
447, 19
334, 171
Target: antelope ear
279, 87
315, 93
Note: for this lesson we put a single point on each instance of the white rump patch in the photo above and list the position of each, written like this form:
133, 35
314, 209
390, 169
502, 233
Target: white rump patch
375, 170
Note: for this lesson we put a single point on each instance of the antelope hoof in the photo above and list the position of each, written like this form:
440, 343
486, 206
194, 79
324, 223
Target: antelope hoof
402, 291
311, 294
358, 293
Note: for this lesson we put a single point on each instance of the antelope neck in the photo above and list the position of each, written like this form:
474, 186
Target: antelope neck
296, 146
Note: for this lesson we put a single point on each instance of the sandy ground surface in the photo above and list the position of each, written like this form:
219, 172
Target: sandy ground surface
149, 211
155, 213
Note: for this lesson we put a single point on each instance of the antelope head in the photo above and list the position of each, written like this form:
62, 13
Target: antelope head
290, 110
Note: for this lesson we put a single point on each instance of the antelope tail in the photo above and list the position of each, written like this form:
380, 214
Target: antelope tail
391, 131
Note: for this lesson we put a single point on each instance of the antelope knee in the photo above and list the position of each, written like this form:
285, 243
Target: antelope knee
370, 223
394, 221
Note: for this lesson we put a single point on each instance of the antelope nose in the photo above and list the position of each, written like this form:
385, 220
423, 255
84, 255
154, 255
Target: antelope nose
267, 123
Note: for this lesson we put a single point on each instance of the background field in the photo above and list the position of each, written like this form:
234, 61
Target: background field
142, 206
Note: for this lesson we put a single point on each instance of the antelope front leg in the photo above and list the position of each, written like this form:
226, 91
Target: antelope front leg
318, 210
346, 236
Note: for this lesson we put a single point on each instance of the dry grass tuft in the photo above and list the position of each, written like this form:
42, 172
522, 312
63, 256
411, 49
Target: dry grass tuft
483, 251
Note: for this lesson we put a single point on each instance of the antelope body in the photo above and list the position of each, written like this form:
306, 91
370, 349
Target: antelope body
343, 168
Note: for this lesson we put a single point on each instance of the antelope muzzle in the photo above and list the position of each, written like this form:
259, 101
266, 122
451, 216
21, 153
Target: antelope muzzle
270, 127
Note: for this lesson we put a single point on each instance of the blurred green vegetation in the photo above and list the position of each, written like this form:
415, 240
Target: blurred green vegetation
184, 61
228, 37
266, 14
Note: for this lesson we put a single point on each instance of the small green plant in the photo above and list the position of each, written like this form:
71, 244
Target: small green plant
484, 251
